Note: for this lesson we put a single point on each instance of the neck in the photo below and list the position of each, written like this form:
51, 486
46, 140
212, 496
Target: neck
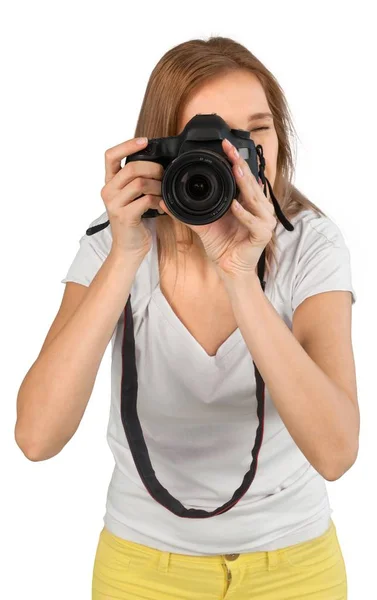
193, 266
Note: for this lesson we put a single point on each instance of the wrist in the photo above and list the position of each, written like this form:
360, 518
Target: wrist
121, 257
243, 281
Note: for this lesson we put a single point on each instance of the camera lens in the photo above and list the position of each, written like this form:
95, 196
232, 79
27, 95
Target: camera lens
198, 187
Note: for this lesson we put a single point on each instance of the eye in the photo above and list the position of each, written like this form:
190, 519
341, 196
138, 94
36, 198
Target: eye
259, 129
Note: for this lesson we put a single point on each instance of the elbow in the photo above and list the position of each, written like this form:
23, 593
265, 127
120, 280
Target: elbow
32, 451
335, 469
32, 454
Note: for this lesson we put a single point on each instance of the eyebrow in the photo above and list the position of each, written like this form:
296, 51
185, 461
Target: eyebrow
260, 115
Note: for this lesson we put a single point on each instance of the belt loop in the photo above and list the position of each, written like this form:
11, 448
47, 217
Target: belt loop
163, 564
272, 559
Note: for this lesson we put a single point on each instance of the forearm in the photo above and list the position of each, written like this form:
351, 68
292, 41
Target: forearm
54, 394
317, 413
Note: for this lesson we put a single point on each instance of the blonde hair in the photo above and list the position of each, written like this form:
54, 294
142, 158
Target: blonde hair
178, 73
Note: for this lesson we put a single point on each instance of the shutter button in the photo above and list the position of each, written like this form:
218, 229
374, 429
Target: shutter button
231, 556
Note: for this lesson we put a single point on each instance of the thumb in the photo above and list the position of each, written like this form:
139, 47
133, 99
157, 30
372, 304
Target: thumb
165, 209
138, 207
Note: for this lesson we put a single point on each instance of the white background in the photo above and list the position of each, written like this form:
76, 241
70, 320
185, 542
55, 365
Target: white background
73, 76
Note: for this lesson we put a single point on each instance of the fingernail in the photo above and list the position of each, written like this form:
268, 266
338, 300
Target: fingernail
240, 171
141, 141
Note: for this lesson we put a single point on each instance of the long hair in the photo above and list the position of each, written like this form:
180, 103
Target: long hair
178, 73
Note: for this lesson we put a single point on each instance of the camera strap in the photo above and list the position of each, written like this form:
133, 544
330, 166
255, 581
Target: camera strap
129, 391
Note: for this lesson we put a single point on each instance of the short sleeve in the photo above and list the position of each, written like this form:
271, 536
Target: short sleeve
90, 256
324, 262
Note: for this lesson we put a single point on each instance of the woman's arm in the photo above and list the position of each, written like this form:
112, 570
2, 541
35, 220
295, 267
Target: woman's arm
55, 392
315, 397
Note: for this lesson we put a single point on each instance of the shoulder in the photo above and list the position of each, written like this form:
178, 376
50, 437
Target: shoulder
311, 230
101, 238
313, 257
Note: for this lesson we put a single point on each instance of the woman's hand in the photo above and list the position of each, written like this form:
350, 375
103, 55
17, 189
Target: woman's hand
122, 196
236, 241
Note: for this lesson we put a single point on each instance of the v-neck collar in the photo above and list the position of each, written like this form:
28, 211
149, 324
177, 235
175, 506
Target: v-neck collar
169, 314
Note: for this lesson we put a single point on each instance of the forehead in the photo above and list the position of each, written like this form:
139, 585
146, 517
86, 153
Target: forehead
233, 96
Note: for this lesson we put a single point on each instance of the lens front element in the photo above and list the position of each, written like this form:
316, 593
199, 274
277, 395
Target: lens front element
198, 186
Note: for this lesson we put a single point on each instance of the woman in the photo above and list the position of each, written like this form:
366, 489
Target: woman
188, 319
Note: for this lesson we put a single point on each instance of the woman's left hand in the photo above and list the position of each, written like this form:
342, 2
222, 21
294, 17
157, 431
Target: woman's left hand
236, 241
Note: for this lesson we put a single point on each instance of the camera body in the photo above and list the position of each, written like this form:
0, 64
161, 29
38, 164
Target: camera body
198, 185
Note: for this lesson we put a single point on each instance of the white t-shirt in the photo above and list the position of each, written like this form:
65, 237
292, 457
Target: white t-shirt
198, 412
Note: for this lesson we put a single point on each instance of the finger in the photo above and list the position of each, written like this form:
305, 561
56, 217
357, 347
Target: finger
114, 155
267, 222
255, 187
249, 196
236, 159
134, 169
135, 190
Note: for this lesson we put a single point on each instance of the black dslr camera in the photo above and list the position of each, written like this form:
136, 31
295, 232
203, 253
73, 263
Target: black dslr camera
198, 185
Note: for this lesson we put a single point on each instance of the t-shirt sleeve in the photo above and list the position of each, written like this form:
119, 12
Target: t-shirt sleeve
324, 262
90, 256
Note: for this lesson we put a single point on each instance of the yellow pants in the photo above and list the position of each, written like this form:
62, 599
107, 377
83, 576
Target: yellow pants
129, 571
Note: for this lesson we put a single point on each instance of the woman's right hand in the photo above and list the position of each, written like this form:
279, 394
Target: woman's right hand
123, 186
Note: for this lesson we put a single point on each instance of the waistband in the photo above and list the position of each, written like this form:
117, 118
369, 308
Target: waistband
266, 558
